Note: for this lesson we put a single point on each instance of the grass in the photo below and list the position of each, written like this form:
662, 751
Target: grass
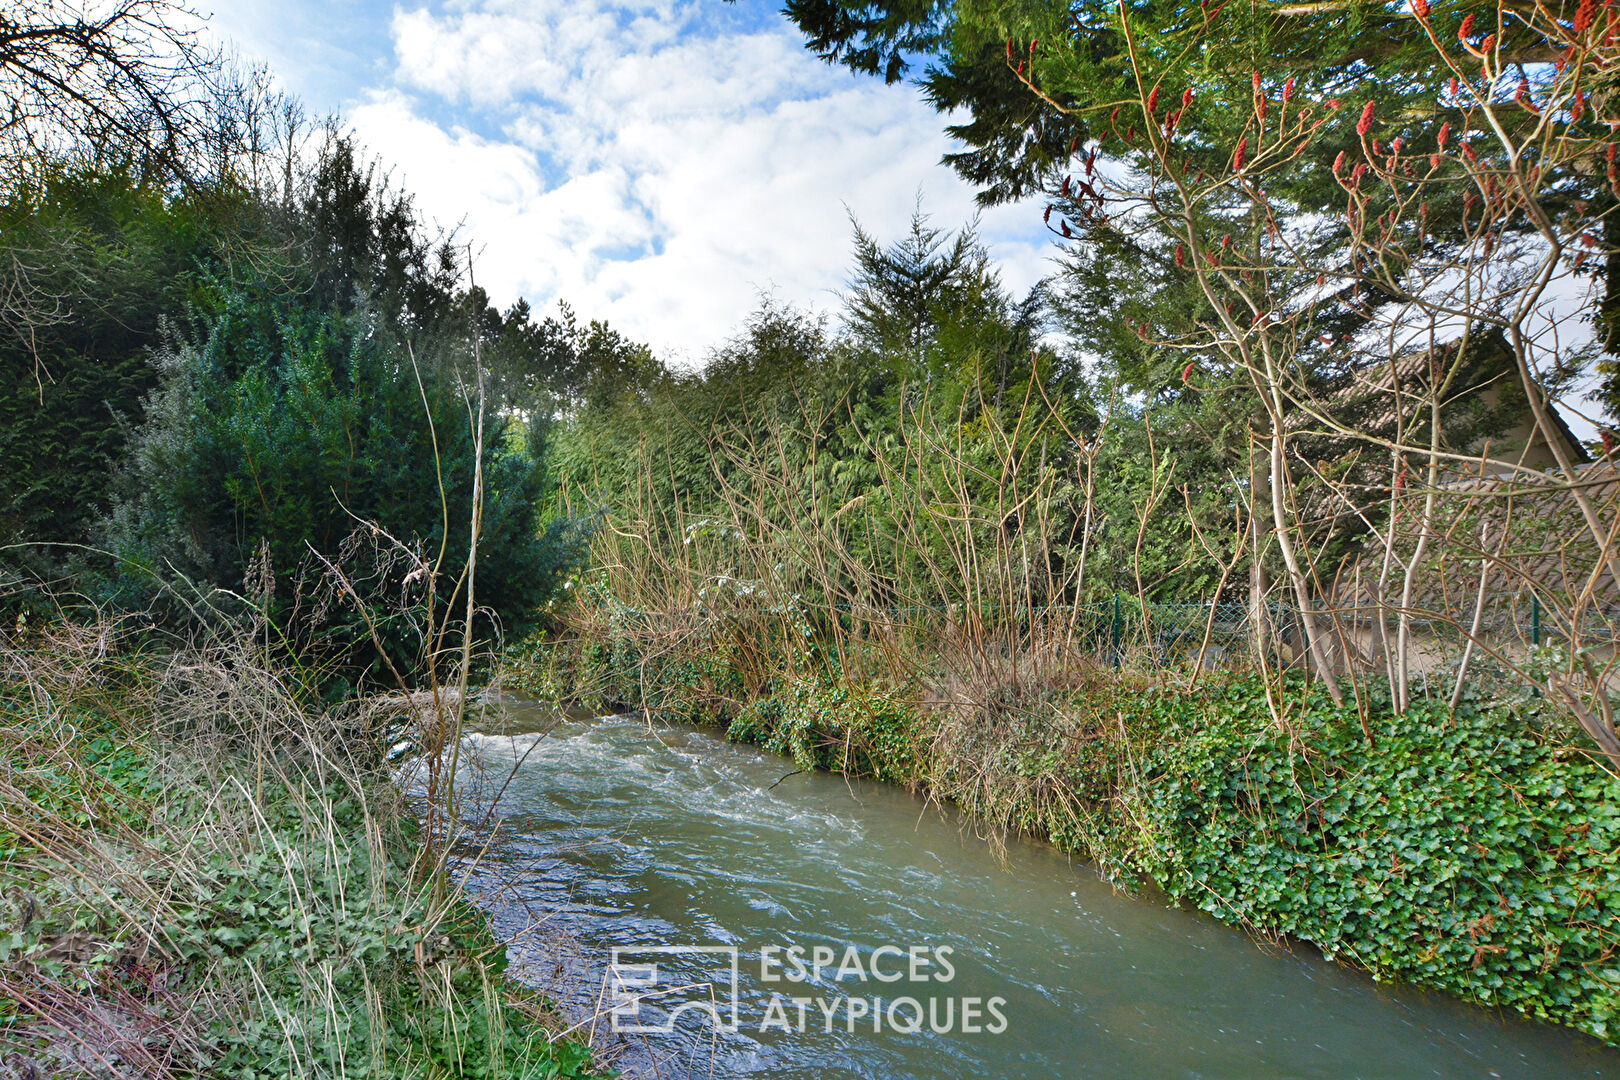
204, 874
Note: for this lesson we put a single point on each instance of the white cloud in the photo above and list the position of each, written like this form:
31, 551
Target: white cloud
658, 164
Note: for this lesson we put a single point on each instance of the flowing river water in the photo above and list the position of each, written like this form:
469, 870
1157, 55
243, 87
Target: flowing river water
616, 835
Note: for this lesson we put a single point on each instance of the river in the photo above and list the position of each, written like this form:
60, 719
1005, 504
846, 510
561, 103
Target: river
943, 958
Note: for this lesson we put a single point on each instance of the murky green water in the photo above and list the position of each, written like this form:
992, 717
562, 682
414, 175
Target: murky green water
614, 836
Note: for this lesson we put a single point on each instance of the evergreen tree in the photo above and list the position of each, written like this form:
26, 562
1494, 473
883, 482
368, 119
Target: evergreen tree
1208, 64
108, 257
270, 461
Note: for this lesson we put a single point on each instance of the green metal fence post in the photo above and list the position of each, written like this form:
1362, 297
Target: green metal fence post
1535, 631
1116, 628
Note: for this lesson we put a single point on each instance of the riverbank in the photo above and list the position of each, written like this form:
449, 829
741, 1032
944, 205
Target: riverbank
1473, 852
202, 873
618, 833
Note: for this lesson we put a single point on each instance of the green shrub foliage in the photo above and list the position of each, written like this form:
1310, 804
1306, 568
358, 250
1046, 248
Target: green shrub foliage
97, 259
292, 450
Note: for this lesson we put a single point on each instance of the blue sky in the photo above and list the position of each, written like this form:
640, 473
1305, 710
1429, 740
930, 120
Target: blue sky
660, 164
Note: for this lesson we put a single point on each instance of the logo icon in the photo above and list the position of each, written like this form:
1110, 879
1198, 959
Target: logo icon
650, 987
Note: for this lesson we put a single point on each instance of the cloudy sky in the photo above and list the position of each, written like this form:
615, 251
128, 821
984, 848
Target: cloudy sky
658, 163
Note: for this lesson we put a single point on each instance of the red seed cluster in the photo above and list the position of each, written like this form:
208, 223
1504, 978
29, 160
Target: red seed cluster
1364, 125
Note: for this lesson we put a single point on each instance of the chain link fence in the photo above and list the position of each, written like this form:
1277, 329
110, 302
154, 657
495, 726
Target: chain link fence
1124, 629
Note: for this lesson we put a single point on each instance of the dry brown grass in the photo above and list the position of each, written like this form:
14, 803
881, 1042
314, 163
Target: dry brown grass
194, 859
